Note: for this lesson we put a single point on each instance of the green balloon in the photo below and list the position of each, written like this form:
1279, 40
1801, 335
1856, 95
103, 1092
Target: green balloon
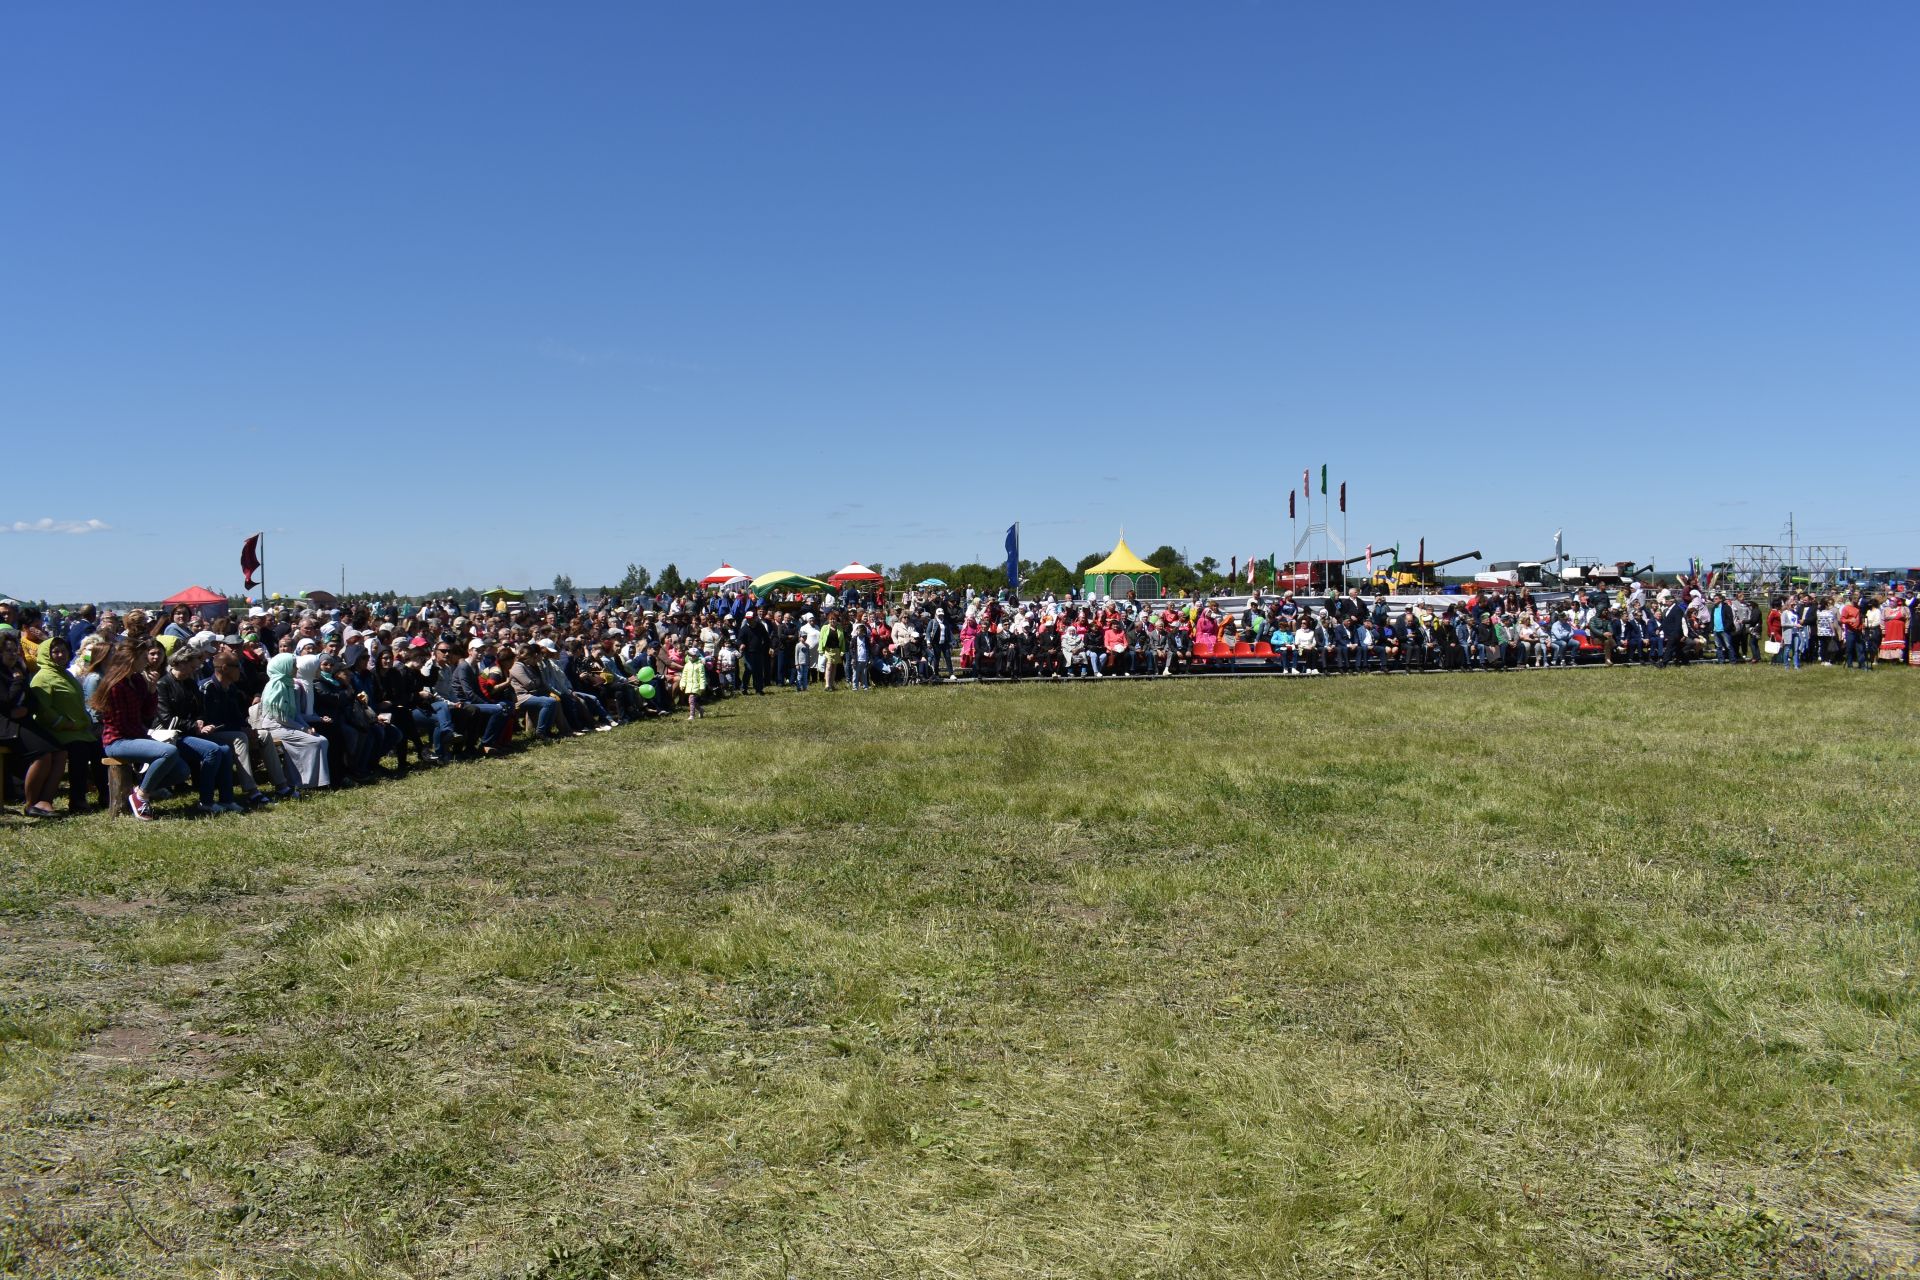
646, 693
645, 675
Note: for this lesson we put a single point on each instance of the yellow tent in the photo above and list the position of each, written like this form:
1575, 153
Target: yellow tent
1123, 573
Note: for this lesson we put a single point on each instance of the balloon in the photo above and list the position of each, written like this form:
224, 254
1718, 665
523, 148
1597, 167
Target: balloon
646, 693
645, 675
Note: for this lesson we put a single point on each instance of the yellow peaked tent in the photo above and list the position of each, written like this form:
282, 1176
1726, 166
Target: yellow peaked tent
1121, 573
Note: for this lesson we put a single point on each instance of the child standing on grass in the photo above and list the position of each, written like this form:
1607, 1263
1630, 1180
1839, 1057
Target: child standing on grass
693, 681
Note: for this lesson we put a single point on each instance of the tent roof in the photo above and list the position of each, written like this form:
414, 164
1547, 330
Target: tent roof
784, 578
856, 572
195, 595
499, 592
725, 573
1123, 561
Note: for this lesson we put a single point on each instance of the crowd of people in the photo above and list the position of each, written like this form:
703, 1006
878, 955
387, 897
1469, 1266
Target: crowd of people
242, 711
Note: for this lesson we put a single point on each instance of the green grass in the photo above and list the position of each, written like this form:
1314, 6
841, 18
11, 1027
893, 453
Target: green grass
1583, 974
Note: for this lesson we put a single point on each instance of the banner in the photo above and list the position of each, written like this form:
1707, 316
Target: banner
1343, 495
1290, 512
1013, 556
1323, 479
250, 559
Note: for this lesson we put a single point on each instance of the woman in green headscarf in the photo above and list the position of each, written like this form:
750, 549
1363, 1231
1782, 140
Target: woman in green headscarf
60, 711
284, 720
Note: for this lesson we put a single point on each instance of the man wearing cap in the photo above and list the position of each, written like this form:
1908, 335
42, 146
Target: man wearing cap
457, 686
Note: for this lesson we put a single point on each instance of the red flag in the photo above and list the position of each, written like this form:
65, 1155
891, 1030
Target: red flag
1343, 495
1250, 563
250, 559
1291, 495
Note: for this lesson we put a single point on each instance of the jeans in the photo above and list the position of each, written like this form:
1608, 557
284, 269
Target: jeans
802, 672
496, 714
756, 672
942, 653
860, 669
442, 721
167, 761
1723, 641
1857, 649
545, 710
1093, 661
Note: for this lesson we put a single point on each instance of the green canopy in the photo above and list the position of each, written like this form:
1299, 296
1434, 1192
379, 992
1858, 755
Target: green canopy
501, 593
786, 578
930, 582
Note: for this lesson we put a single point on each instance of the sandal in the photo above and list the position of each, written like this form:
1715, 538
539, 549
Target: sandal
41, 810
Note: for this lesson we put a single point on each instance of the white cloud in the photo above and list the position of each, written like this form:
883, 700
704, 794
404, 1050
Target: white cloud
47, 524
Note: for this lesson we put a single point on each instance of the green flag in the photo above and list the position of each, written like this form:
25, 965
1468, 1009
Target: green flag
1323, 479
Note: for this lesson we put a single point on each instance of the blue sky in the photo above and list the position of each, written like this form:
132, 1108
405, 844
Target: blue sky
486, 292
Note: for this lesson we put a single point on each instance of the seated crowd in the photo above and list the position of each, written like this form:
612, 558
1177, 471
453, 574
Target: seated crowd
248, 710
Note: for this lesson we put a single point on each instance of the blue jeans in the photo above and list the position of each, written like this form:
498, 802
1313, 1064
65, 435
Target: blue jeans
167, 761
442, 723
545, 709
496, 714
1723, 642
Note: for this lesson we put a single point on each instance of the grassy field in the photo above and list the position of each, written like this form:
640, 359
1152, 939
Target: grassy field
1573, 974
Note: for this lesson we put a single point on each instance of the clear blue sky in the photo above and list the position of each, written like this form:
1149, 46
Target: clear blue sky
476, 292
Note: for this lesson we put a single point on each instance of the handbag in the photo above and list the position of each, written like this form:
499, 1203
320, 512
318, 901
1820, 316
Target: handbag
1772, 647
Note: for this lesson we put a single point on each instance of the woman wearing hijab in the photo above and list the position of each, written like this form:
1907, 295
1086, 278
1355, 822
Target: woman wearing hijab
60, 712
334, 701
18, 730
283, 717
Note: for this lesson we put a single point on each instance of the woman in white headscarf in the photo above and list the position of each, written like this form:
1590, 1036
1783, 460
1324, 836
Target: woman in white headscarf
285, 715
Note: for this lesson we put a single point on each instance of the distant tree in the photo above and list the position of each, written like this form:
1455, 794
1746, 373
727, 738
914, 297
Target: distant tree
636, 581
981, 577
1049, 575
920, 570
670, 580
1088, 561
562, 585
1175, 573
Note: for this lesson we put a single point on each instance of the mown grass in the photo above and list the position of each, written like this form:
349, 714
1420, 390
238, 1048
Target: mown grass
1584, 974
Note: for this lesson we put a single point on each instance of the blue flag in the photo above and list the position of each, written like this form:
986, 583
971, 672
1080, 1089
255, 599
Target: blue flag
1013, 556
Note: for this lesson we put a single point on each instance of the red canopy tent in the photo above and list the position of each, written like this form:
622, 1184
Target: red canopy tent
200, 600
855, 572
724, 574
